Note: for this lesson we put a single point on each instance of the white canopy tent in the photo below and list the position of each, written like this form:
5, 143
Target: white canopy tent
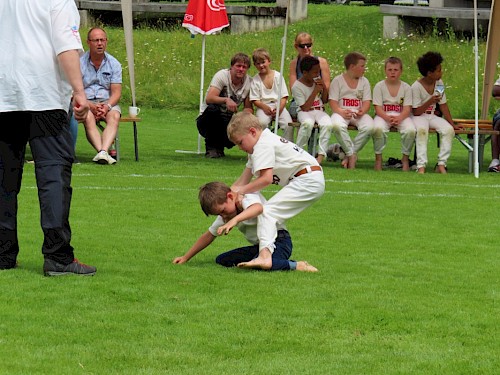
491, 58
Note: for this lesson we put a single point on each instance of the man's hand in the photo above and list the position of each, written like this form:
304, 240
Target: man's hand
80, 106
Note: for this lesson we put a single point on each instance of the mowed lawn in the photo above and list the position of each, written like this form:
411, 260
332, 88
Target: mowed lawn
408, 282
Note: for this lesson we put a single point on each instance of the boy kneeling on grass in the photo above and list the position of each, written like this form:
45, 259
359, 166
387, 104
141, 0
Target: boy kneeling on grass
241, 211
274, 160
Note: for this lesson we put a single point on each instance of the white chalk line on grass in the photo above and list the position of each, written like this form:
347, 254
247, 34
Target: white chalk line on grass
384, 182
339, 192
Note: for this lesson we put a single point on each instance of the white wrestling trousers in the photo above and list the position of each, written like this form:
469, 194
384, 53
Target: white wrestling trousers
283, 120
307, 121
430, 121
300, 193
381, 128
365, 132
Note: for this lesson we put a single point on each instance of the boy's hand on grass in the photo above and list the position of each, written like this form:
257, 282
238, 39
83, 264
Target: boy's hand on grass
179, 260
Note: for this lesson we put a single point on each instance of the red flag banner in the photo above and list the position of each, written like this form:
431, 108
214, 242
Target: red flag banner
205, 16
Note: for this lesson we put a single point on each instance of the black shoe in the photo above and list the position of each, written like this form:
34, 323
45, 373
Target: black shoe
53, 268
221, 153
212, 153
495, 169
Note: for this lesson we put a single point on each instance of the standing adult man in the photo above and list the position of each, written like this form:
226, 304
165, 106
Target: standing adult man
37, 76
229, 88
102, 79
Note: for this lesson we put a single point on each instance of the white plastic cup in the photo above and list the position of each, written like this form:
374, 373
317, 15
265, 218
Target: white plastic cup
134, 111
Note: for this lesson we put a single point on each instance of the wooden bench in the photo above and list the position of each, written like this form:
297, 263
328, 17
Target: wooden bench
126, 119
464, 127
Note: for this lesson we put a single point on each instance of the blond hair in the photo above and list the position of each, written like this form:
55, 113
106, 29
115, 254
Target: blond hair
260, 54
303, 35
241, 123
211, 194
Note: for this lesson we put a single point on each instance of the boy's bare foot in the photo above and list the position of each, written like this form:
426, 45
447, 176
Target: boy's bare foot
441, 169
421, 170
264, 261
352, 161
305, 267
378, 162
406, 163
345, 162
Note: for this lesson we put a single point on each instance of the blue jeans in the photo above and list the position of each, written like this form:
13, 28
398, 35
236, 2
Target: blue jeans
280, 257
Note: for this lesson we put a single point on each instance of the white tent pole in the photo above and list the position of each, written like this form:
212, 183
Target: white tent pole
282, 66
476, 93
129, 43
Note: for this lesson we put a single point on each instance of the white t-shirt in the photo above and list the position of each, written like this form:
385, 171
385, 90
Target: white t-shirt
420, 95
259, 91
248, 227
383, 98
497, 83
31, 37
302, 92
349, 98
222, 81
285, 157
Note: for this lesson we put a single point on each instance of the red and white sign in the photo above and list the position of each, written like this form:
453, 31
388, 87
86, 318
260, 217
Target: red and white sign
205, 16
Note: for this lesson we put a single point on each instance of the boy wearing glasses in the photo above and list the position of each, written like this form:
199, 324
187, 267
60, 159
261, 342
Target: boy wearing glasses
102, 79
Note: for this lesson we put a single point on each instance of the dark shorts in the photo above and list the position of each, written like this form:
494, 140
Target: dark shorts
496, 120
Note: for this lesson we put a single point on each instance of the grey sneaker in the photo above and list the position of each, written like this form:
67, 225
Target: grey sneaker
53, 268
103, 157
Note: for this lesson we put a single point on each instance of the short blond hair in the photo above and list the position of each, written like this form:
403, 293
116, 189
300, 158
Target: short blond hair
260, 54
212, 194
241, 123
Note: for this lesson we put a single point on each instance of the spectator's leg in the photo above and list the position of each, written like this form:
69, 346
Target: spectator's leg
12, 148
51, 144
109, 134
446, 131
495, 143
380, 130
305, 130
325, 132
407, 131
365, 132
422, 126
92, 133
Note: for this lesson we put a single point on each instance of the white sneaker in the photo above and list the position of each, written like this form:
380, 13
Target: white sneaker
103, 157
494, 163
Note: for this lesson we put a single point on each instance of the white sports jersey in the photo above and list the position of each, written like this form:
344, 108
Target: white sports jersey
286, 158
40, 86
420, 95
389, 103
222, 81
302, 92
497, 83
248, 227
349, 98
258, 91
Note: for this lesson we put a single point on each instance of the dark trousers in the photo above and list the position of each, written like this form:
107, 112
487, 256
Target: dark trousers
212, 125
280, 257
51, 145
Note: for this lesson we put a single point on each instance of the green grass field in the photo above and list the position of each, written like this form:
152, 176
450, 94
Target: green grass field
408, 284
